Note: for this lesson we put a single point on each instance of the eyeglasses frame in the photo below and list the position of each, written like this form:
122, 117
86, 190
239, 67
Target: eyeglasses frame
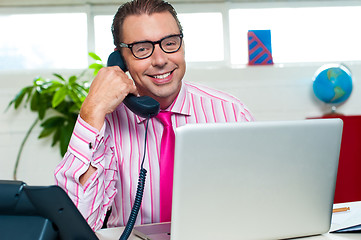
130, 46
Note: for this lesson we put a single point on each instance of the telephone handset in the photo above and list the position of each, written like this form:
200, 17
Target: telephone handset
144, 106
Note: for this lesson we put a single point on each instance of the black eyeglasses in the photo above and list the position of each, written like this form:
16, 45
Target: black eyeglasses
145, 49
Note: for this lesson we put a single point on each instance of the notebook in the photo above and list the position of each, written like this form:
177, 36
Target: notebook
258, 180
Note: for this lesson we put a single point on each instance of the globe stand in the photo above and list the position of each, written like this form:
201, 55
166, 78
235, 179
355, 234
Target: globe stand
333, 112
333, 109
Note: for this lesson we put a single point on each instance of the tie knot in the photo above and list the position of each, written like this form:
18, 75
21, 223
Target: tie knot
165, 118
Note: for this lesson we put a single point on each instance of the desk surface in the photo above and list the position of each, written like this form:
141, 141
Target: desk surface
114, 233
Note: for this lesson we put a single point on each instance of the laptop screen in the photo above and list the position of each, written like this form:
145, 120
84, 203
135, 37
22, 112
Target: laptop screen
257, 180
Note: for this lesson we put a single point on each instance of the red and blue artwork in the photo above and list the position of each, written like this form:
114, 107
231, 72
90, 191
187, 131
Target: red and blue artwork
259, 47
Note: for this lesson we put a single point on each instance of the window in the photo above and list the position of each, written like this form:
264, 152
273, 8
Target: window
103, 36
213, 33
307, 34
35, 41
203, 36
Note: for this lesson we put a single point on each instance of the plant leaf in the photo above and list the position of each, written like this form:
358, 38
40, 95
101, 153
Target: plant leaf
59, 96
80, 91
34, 103
29, 92
74, 109
65, 137
75, 98
72, 79
51, 125
52, 86
96, 67
41, 111
94, 56
44, 101
39, 81
56, 136
53, 122
20, 96
46, 132
59, 76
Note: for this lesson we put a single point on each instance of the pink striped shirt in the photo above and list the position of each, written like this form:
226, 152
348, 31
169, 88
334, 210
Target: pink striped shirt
117, 150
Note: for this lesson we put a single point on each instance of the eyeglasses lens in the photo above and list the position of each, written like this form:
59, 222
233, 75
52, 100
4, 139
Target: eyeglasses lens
170, 44
142, 50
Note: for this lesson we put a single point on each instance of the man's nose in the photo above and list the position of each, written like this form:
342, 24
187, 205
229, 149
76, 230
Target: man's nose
159, 57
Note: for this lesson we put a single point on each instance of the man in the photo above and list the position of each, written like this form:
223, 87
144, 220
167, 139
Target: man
100, 170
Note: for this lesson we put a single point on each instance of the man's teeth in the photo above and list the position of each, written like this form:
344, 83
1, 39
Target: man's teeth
162, 76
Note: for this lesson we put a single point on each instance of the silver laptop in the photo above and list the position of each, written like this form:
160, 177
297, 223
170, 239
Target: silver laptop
258, 180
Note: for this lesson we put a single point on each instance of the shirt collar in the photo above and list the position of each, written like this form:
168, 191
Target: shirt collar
181, 105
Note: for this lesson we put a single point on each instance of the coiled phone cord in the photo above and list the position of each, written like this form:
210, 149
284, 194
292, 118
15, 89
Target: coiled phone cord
139, 195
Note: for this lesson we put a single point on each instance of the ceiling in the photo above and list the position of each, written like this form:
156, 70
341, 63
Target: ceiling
16, 3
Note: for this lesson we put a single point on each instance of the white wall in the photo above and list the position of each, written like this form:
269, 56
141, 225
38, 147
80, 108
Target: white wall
271, 93
278, 92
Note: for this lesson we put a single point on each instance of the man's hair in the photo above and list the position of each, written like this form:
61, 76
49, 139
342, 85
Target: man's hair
138, 7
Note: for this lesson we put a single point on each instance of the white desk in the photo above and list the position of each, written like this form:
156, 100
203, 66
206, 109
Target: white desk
114, 233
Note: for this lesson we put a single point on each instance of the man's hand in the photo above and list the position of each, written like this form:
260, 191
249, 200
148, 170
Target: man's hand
107, 91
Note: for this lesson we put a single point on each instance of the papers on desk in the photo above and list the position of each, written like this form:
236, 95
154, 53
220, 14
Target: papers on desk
347, 221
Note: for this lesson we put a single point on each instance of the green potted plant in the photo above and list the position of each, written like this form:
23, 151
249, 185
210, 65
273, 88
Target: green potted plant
57, 103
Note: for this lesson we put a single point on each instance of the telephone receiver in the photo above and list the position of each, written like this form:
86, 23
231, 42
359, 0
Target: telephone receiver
143, 106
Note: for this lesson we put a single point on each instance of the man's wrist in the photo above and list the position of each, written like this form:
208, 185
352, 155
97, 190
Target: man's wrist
92, 116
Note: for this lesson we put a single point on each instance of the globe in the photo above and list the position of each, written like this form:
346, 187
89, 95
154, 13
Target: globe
332, 83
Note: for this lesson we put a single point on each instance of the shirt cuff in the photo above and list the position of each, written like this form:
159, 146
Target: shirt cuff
85, 140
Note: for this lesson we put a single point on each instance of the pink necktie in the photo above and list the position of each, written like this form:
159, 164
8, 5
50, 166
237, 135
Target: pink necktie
166, 165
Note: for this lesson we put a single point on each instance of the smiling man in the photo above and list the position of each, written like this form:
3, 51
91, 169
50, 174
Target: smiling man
101, 168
